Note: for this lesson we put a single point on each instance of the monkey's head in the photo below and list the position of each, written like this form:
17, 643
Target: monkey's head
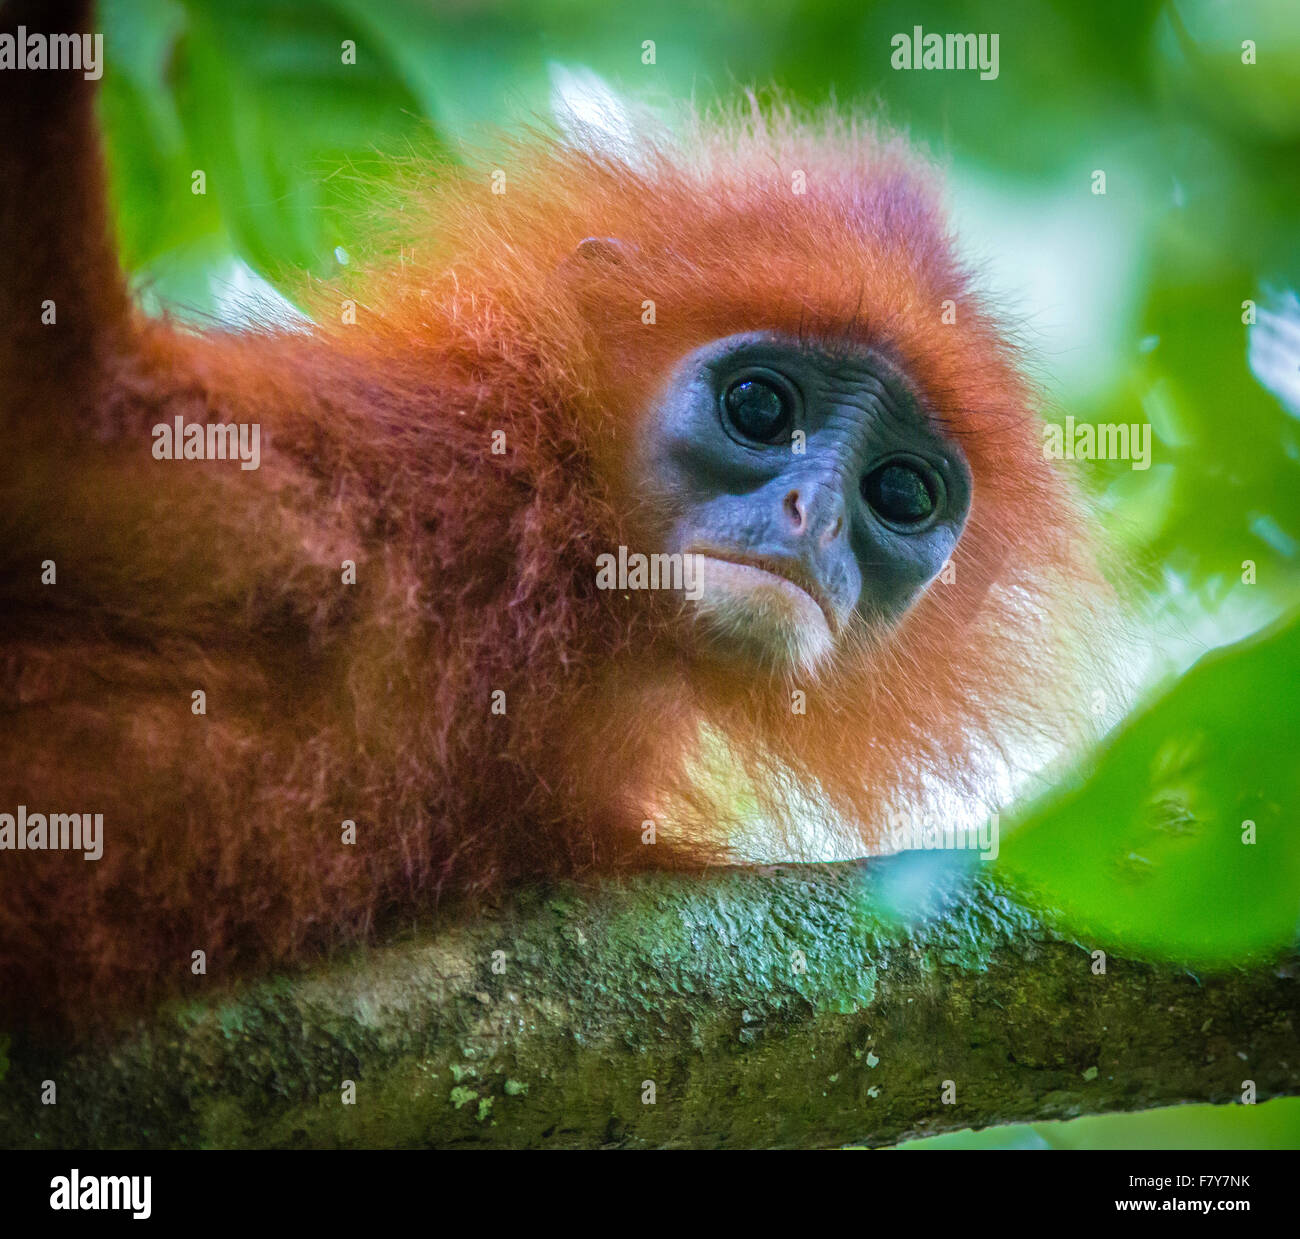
753, 345
808, 488
801, 395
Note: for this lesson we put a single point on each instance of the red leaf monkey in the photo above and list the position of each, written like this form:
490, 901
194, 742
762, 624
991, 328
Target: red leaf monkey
382, 666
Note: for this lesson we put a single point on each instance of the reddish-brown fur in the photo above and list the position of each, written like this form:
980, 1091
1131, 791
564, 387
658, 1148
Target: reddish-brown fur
475, 571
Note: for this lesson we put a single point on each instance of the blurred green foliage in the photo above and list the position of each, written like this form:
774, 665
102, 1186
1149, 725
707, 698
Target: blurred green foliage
1269, 1126
1182, 840
1132, 305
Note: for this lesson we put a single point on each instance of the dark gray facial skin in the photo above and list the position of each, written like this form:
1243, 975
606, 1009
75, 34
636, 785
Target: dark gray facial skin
817, 466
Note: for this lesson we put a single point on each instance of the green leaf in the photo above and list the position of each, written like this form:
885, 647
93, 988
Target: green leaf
1152, 850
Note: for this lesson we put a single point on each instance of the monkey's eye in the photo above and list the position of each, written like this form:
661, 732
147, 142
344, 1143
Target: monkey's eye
759, 408
905, 494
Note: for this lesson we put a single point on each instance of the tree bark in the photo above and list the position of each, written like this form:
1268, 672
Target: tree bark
756, 1008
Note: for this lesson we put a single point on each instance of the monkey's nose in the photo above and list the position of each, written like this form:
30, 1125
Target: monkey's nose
817, 514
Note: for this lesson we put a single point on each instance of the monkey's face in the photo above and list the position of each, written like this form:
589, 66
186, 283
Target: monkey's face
813, 490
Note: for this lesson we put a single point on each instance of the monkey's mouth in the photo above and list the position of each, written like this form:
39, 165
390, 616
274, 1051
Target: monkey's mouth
771, 608
784, 573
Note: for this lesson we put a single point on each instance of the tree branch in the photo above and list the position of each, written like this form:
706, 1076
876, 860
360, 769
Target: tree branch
778, 1007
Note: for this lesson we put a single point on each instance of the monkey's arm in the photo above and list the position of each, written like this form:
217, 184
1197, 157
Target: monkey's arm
273, 685
178, 648
57, 254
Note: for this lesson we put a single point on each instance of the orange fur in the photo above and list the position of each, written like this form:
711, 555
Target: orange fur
476, 572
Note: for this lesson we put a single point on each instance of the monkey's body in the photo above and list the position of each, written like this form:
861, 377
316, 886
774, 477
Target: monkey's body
469, 697
323, 701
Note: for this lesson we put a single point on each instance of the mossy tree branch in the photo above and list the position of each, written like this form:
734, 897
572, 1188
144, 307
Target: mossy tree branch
777, 1007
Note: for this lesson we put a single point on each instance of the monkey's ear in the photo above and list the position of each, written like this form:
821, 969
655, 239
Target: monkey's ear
593, 259
609, 251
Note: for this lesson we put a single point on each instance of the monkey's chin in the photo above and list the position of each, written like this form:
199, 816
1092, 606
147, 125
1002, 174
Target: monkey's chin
748, 613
